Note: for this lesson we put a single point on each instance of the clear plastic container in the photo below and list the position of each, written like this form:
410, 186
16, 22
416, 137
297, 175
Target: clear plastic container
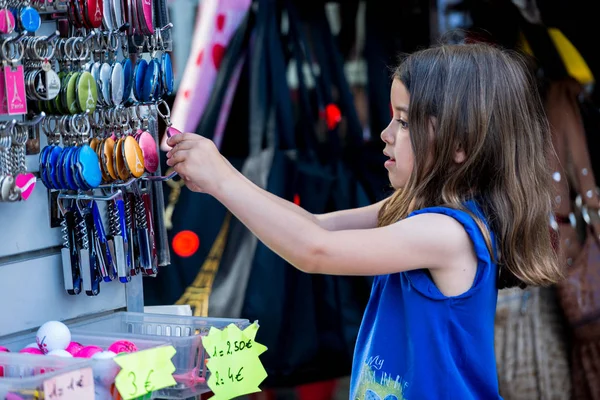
104, 370
23, 375
182, 332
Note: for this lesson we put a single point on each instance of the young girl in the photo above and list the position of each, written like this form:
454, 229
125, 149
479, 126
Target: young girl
467, 147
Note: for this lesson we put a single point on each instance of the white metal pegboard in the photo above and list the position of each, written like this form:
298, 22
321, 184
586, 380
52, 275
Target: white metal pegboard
31, 278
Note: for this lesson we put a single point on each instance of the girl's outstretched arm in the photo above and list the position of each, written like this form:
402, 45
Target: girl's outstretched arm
424, 241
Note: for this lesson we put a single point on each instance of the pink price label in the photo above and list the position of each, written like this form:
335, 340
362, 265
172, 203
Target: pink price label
75, 385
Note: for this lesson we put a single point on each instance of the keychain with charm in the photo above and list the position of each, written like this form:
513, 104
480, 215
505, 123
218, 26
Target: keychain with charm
44, 84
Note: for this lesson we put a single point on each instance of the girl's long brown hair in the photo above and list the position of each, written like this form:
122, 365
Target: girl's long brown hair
484, 101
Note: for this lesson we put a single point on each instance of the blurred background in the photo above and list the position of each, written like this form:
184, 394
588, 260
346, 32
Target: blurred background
295, 95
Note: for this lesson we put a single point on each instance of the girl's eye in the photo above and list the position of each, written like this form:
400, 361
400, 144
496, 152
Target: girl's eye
403, 123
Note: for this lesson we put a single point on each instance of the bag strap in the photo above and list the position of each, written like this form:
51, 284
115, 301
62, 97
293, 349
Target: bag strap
227, 70
568, 136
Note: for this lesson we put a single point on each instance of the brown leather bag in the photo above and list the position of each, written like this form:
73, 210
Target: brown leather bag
531, 351
580, 292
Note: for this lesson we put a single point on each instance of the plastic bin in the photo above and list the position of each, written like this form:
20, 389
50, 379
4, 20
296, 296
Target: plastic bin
182, 332
105, 371
24, 374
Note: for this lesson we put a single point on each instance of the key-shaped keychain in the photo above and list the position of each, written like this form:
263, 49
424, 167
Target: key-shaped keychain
118, 230
70, 254
87, 252
107, 267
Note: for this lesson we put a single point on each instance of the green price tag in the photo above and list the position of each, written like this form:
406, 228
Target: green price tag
234, 365
145, 371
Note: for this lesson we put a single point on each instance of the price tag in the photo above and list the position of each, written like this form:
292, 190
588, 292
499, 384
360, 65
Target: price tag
145, 371
74, 385
234, 365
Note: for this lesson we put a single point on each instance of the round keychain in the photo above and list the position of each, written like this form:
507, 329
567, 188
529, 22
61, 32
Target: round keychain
108, 148
87, 94
104, 79
7, 21
71, 93
127, 79
149, 151
30, 19
151, 80
133, 157
67, 170
168, 79
117, 84
138, 78
120, 167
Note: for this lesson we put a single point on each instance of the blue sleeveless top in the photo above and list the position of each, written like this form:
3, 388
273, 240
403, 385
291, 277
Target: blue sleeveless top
417, 344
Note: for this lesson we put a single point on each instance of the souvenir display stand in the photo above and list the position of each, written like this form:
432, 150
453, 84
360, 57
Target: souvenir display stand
82, 84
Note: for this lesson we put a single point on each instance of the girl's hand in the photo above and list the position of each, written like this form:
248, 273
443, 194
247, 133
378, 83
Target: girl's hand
198, 162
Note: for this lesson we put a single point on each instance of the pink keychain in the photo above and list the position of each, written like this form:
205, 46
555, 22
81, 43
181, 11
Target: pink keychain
149, 150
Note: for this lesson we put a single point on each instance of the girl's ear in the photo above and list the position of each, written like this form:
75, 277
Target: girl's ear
459, 155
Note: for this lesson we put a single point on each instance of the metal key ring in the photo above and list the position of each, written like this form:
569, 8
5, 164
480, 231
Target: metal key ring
69, 49
50, 128
9, 45
112, 43
140, 47
47, 49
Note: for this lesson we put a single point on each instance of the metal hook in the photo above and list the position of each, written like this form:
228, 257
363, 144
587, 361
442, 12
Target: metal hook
89, 36
159, 178
116, 195
123, 185
34, 121
164, 28
51, 37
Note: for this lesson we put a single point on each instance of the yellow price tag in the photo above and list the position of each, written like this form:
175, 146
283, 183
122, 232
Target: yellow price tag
145, 371
235, 369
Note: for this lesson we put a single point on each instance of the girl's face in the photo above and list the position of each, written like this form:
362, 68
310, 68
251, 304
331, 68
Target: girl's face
397, 139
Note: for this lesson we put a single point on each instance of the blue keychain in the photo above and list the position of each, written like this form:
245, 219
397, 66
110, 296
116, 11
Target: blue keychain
60, 169
75, 171
51, 166
30, 19
68, 171
128, 79
88, 166
138, 78
151, 80
43, 160
167, 77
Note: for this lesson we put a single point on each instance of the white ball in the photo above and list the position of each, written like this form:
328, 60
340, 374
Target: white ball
105, 369
60, 353
53, 335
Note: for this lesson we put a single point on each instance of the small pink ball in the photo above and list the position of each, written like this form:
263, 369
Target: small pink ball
123, 346
88, 351
31, 350
74, 348
4, 350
